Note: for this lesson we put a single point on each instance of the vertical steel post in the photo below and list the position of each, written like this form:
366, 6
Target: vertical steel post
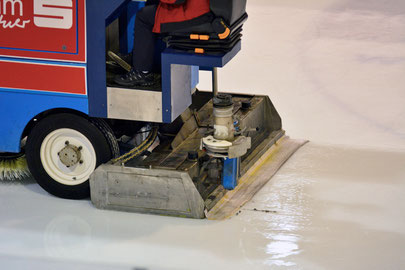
215, 81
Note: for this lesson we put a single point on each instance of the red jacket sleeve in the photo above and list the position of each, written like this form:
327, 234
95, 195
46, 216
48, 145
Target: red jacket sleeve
176, 2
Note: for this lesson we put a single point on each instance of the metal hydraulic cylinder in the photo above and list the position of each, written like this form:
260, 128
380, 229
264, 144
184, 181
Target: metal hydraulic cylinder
223, 118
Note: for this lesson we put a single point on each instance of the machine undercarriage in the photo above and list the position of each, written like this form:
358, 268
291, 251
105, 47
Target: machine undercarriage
180, 177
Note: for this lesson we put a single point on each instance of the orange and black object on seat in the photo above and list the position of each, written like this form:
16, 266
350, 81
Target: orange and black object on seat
218, 32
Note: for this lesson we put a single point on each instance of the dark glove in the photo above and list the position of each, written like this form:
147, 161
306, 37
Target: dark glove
152, 2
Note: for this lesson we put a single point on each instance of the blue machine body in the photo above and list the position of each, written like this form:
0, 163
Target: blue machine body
19, 106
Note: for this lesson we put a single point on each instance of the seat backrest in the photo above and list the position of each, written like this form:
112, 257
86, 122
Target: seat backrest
229, 10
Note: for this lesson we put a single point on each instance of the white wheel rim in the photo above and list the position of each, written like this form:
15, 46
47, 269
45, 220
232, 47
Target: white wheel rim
54, 143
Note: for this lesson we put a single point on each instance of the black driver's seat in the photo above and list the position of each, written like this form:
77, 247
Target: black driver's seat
219, 34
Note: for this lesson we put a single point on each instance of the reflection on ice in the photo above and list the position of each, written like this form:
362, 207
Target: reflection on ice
290, 214
67, 235
281, 247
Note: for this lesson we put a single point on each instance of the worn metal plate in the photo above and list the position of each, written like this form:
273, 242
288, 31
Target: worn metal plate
181, 89
133, 104
154, 191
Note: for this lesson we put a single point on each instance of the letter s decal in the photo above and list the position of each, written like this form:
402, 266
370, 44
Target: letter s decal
53, 13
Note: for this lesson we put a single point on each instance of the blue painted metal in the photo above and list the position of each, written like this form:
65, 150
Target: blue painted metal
18, 107
202, 60
41, 61
170, 56
99, 14
127, 25
230, 174
166, 89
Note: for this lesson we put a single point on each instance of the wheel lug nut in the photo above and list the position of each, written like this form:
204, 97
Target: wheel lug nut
67, 142
80, 148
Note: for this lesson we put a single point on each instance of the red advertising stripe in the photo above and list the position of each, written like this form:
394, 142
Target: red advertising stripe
31, 76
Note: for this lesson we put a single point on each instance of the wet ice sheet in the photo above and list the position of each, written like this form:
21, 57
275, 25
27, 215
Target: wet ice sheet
327, 208
335, 208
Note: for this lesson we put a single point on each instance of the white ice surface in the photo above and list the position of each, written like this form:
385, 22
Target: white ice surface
335, 71
327, 208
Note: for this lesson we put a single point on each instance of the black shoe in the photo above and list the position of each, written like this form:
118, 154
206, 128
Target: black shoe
135, 78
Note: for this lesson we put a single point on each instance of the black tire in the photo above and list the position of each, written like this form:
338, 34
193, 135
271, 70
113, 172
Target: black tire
64, 121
